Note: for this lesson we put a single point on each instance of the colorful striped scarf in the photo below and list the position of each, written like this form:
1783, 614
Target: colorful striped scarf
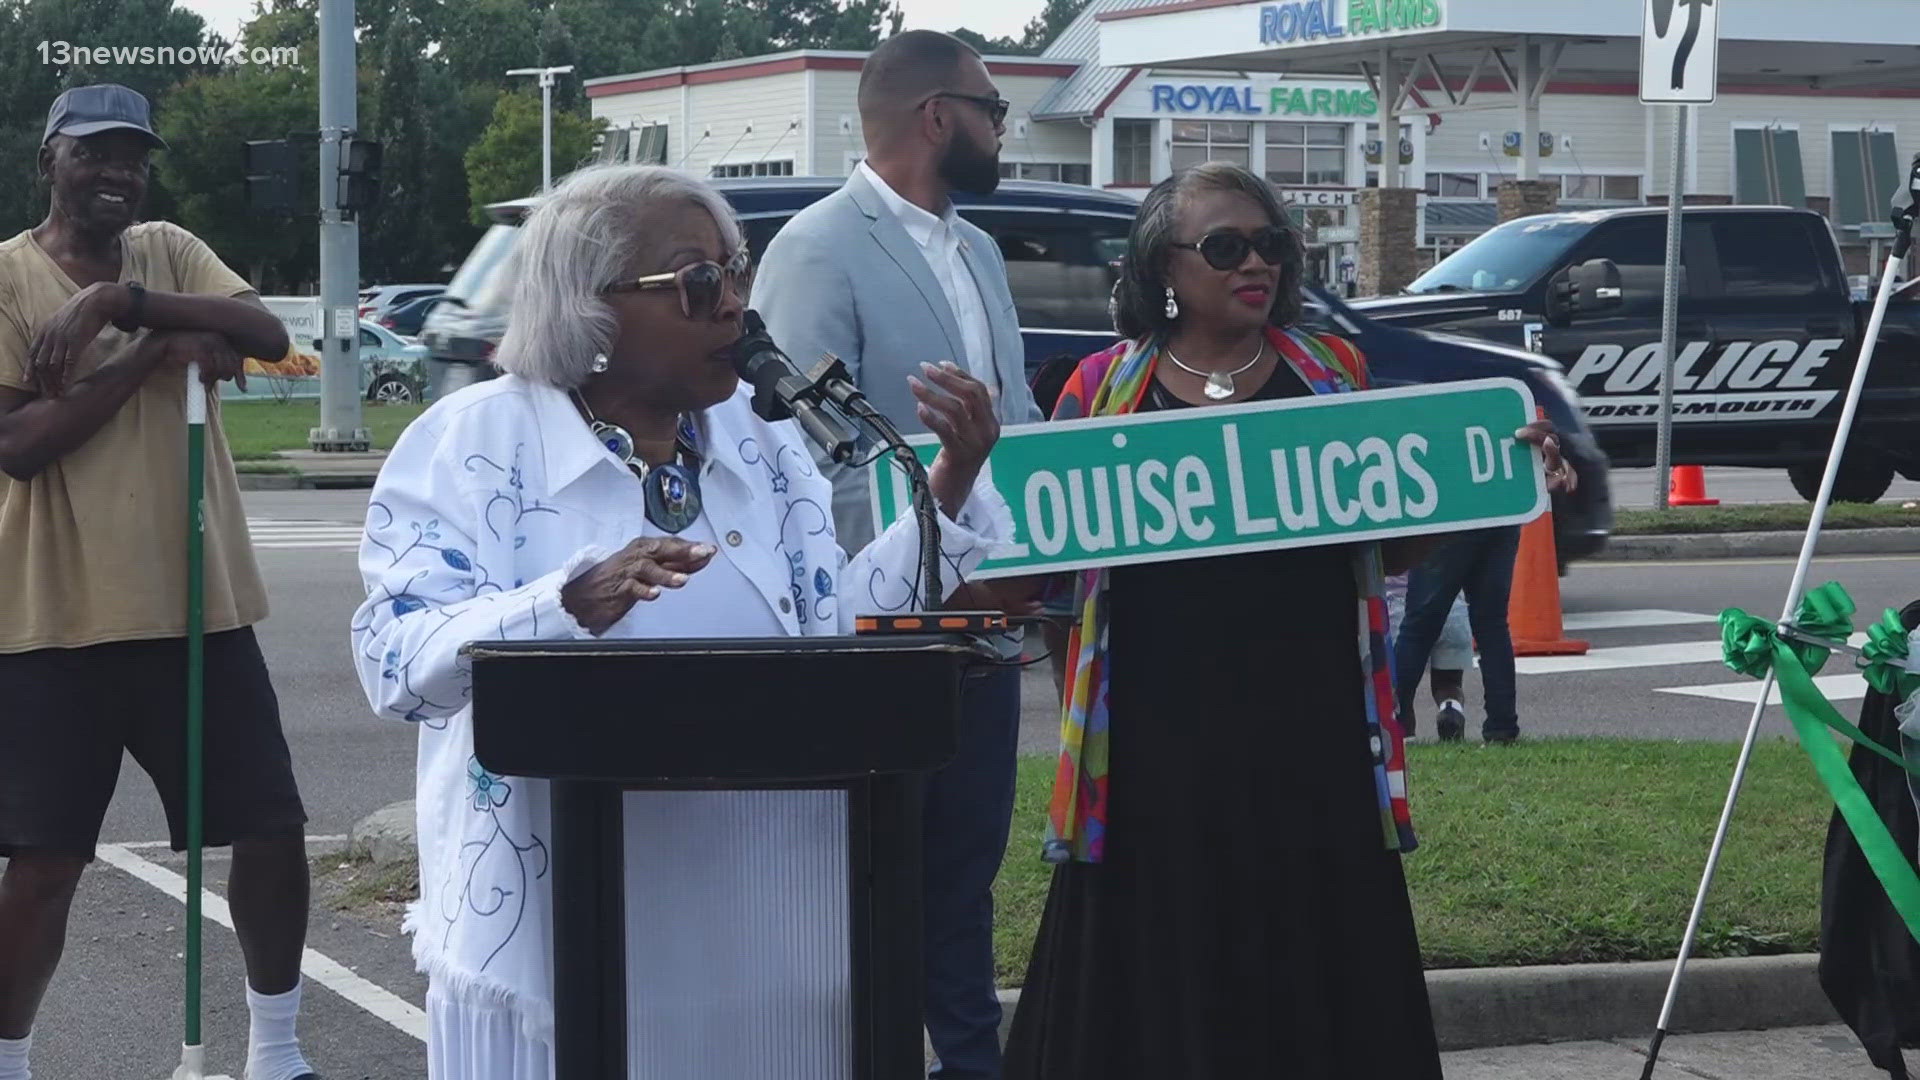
1112, 383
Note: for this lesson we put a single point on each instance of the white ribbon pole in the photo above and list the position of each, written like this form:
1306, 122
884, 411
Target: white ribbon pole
1794, 593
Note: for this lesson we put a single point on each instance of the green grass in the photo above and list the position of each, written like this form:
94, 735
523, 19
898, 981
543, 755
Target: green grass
1558, 851
1547, 852
1761, 517
258, 429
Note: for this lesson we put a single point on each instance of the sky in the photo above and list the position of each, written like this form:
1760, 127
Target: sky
994, 18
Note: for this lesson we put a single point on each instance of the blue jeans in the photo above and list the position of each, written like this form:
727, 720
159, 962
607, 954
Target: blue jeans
969, 808
1480, 564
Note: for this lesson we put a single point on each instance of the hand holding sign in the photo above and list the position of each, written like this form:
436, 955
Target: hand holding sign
1561, 478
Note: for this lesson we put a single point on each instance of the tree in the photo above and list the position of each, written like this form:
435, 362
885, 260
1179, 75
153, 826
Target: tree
205, 121
402, 239
484, 39
1053, 19
505, 162
557, 50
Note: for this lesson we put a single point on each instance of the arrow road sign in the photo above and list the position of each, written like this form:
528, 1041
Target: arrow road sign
1680, 51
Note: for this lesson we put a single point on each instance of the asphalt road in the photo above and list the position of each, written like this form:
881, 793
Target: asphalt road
113, 1011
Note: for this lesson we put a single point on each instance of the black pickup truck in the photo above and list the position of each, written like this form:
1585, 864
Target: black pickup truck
1768, 335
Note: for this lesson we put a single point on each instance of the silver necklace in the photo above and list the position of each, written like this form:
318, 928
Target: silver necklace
1220, 383
672, 490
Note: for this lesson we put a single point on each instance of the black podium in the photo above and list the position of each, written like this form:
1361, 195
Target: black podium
864, 715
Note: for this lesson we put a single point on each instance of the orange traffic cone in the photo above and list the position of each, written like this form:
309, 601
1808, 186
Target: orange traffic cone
1689, 487
1533, 609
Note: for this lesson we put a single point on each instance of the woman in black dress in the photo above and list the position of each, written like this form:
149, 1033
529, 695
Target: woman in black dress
1231, 904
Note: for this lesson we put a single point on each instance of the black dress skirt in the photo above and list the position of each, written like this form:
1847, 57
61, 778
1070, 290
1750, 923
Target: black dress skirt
1248, 920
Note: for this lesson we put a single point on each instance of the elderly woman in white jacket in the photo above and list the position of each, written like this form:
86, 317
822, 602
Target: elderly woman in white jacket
616, 482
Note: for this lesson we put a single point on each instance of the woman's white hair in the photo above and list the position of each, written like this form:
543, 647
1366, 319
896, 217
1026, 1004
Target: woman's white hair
583, 237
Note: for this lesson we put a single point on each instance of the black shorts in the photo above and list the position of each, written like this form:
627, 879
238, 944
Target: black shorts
67, 714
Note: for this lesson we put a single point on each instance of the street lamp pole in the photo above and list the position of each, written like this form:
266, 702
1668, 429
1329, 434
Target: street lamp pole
546, 76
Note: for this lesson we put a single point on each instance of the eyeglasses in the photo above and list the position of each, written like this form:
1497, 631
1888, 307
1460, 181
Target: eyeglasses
995, 108
703, 285
1227, 250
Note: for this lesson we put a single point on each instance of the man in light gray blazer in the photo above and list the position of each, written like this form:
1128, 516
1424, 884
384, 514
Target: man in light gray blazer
885, 276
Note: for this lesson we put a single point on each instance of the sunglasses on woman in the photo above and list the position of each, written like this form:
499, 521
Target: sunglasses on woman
1227, 250
703, 285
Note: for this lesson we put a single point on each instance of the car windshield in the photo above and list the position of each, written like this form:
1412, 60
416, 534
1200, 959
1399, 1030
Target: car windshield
476, 275
1511, 256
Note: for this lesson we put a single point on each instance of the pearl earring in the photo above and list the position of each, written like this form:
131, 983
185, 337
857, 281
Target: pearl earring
1173, 306
599, 363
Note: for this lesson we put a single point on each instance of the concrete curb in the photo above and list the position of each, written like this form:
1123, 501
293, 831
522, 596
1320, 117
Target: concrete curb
302, 482
1744, 545
1479, 1007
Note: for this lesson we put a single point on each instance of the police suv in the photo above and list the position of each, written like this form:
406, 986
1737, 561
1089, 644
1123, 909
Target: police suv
1768, 333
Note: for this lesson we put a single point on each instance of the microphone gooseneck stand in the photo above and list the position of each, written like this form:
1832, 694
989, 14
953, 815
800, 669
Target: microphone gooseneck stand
856, 406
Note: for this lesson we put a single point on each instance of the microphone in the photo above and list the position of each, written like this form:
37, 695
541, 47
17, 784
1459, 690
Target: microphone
780, 392
1904, 202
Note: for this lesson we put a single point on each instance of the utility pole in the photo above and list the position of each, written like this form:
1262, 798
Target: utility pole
342, 425
546, 76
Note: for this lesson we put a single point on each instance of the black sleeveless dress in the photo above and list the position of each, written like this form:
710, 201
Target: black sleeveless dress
1248, 920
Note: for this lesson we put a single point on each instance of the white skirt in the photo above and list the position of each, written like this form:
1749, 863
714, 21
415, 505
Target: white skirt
738, 924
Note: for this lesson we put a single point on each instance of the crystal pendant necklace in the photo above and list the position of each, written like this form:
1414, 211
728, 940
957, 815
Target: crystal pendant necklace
1220, 383
672, 490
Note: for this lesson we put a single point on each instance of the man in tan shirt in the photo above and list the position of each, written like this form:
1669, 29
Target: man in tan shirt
99, 315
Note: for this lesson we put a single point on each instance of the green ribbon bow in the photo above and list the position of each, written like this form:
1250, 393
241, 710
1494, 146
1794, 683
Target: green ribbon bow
1752, 646
1886, 656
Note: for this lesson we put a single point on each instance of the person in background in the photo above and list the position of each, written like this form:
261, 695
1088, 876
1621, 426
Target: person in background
1447, 673
1229, 815
885, 275
1478, 564
99, 315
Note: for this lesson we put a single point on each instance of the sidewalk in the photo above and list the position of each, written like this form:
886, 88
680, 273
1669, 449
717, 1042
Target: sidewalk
1803, 1053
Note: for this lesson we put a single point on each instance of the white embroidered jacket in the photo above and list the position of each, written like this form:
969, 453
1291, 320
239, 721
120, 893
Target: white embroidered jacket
494, 499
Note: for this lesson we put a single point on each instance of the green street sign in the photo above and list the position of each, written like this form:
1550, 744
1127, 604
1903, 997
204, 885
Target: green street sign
1218, 481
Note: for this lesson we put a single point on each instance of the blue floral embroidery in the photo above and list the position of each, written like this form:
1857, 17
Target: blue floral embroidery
456, 559
497, 872
822, 583
489, 791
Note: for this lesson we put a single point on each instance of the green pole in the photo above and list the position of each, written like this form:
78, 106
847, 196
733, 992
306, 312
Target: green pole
196, 673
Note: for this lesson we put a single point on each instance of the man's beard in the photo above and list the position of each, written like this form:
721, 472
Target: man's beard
966, 168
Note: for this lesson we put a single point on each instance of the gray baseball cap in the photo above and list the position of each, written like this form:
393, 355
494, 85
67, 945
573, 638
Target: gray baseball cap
89, 110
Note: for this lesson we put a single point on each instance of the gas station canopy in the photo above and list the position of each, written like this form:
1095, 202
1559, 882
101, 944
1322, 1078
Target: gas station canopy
1444, 56
1827, 44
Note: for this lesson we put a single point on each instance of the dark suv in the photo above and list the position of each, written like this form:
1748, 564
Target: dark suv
1061, 243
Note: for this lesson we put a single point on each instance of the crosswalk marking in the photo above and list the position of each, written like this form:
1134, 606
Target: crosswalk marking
1588, 621
1849, 687
1623, 656
277, 534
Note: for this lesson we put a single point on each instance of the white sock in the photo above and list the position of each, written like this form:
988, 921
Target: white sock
13, 1059
273, 1050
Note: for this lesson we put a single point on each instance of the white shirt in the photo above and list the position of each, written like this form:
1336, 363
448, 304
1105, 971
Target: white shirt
940, 243
492, 501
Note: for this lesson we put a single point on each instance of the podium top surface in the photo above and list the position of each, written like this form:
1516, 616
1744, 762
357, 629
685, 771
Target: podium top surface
719, 713
875, 645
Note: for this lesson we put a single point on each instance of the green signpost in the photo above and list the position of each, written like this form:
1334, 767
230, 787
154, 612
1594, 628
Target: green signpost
1217, 481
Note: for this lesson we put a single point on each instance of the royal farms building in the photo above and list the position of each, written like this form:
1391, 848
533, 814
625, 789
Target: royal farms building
1500, 109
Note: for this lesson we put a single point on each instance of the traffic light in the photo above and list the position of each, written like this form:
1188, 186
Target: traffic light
359, 174
269, 170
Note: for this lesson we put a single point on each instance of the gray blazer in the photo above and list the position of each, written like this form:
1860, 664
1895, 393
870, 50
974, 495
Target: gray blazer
844, 277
